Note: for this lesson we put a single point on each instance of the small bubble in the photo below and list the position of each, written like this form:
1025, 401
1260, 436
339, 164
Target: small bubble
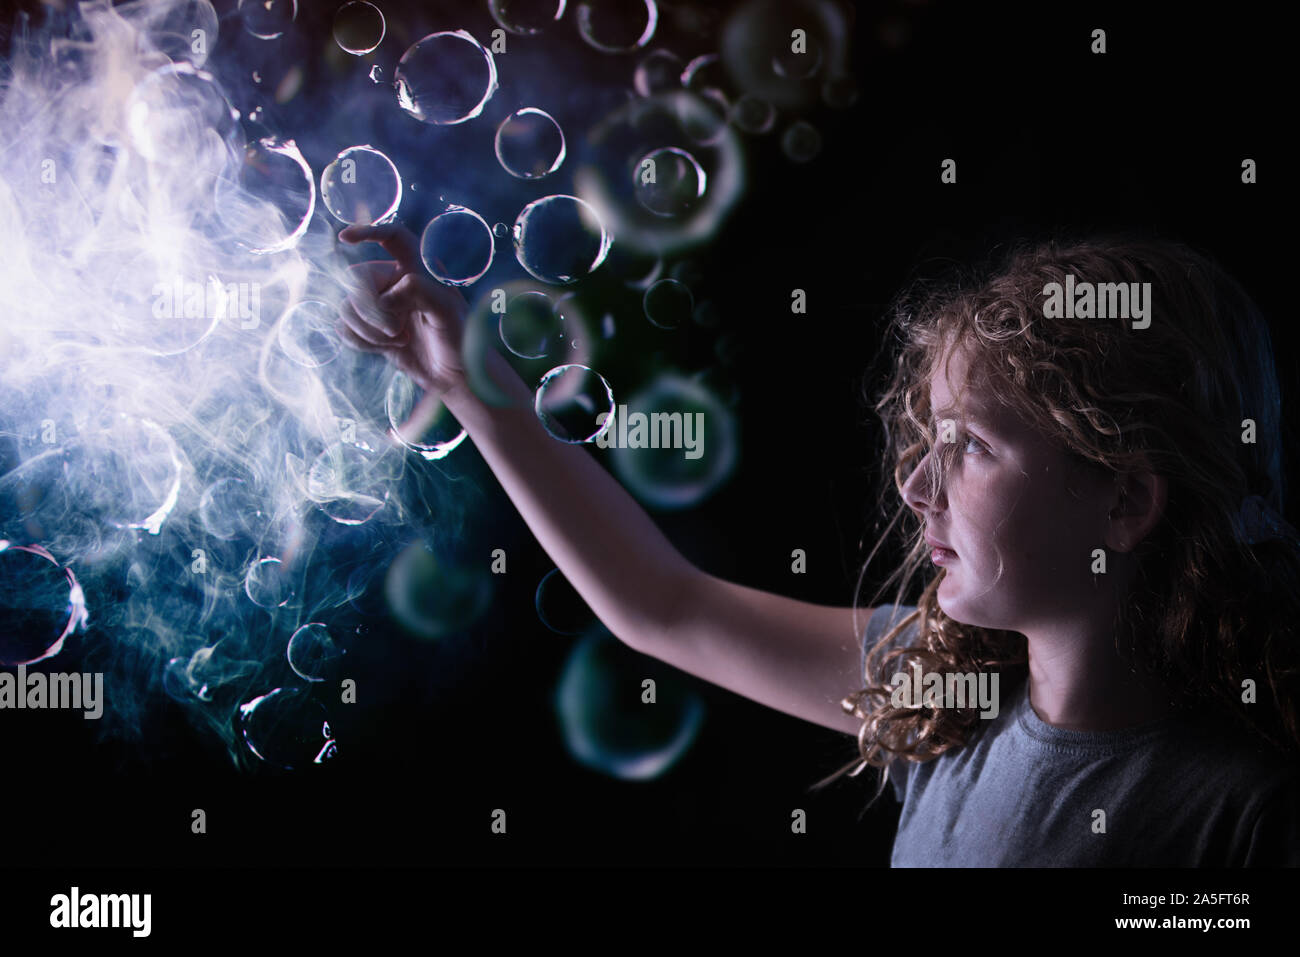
361, 187
753, 115
376, 73
312, 652
668, 303
457, 246
530, 144
801, 141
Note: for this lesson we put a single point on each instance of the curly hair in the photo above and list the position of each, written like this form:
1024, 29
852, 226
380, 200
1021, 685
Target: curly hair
1205, 611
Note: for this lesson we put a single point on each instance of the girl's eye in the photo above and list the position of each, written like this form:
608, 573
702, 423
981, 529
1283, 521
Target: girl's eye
971, 440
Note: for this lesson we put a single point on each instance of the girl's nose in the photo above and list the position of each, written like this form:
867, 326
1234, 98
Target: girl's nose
918, 493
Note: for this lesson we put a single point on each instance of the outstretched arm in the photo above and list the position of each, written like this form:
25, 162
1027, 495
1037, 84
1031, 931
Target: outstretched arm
797, 657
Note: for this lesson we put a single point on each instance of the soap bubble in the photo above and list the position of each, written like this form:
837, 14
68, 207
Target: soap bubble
361, 187
456, 247
703, 72
434, 597
606, 726
669, 182
377, 75
613, 176
668, 303
358, 27
346, 484
269, 203
560, 239
677, 475
228, 509
286, 728
530, 327
801, 141
308, 334
658, 71
156, 308
312, 652
446, 78
268, 583
530, 144
178, 116
420, 421
617, 26
501, 231
526, 17
767, 59
753, 115
569, 399
42, 604
171, 30
267, 19
560, 607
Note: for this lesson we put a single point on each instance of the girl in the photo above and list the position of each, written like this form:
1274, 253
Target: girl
1089, 438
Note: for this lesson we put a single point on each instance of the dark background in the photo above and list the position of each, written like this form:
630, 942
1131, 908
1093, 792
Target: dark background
1046, 136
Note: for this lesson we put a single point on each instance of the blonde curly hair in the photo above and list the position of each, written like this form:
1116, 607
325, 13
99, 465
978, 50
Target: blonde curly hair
1206, 610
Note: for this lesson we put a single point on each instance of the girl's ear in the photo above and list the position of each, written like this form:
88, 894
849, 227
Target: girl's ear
1140, 501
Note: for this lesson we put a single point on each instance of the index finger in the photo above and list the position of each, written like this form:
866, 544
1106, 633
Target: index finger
398, 241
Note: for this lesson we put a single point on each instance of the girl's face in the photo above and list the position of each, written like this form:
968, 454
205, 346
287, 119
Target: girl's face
1022, 517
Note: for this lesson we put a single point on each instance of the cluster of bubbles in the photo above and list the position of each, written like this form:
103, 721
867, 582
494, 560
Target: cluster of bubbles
212, 400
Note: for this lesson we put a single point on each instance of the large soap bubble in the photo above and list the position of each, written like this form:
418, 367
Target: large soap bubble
312, 652
346, 482
530, 144
526, 17
669, 182
308, 334
434, 597
560, 239
606, 725
668, 303
456, 247
420, 421
446, 78
287, 729
268, 203
617, 26
41, 605
531, 327
267, 19
358, 27
688, 448
361, 187
570, 400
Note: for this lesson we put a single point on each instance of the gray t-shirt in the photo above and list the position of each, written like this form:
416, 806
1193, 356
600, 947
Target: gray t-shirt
1177, 792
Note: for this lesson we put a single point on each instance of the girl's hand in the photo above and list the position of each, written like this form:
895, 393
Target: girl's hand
396, 310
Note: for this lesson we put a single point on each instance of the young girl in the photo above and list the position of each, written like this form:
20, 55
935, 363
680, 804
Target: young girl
1089, 438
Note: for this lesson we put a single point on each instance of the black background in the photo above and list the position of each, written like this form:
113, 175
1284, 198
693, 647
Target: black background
1046, 135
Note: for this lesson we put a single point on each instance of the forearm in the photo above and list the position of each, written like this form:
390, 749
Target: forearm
599, 537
